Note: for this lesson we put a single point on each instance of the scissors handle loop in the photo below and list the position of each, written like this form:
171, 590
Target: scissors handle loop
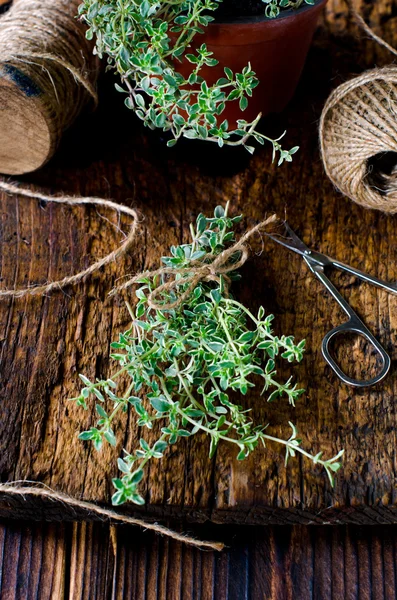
355, 325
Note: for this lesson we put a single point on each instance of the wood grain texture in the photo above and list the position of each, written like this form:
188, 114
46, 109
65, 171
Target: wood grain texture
85, 561
33, 561
46, 342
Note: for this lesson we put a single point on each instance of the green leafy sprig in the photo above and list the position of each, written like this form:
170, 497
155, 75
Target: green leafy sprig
182, 365
145, 41
274, 7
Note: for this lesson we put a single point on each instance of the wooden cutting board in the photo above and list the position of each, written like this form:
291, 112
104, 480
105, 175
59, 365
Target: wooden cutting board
46, 342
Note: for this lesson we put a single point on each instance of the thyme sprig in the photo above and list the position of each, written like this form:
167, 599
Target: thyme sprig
274, 7
183, 364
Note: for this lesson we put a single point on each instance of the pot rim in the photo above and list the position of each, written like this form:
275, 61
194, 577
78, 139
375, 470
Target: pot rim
284, 15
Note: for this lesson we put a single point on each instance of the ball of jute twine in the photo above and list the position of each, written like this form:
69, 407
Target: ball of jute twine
48, 74
358, 123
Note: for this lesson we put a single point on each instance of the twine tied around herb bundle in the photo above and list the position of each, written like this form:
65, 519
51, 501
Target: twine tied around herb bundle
212, 268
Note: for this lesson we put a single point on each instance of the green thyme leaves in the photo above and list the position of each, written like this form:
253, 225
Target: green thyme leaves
274, 7
190, 367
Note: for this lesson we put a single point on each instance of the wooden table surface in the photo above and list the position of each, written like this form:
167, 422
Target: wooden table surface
45, 342
86, 561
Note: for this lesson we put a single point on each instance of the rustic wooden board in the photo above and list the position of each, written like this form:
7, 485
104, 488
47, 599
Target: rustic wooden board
46, 342
33, 561
86, 561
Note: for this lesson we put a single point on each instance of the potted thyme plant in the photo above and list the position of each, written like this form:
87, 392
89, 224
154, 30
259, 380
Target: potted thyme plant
195, 76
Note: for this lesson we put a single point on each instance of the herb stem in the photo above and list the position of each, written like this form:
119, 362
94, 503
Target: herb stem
227, 332
251, 316
290, 445
212, 432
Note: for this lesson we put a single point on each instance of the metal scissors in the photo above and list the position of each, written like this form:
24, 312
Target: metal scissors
317, 262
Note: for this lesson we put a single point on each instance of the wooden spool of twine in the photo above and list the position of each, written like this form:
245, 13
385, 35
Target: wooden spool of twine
47, 75
358, 131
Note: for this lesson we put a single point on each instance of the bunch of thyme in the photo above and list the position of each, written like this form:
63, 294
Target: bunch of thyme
145, 41
182, 364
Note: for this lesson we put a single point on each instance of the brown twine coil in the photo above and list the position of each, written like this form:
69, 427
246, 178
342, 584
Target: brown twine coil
48, 74
359, 123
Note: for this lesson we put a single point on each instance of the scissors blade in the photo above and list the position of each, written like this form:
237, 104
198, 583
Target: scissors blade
292, 242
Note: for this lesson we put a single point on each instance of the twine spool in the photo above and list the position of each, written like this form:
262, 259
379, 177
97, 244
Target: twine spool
358, 133
359, 125
47, 75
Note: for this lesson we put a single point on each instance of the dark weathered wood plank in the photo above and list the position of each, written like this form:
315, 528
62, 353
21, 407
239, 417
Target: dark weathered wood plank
86, 561
46, 342
32, 561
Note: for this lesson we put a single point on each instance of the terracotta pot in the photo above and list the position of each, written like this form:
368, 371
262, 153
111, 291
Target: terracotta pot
276, 49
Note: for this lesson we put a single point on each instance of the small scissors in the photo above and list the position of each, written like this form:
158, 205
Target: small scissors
316, 263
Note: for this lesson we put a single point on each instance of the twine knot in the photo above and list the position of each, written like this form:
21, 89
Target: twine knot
210, 268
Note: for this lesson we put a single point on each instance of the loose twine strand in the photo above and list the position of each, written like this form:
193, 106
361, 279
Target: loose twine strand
45, 38
358, 122
363, 25
16, 490
47, 288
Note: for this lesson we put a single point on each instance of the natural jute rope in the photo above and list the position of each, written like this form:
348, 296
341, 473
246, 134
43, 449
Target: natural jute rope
47, 75
358, 123
47, 288
22, 490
